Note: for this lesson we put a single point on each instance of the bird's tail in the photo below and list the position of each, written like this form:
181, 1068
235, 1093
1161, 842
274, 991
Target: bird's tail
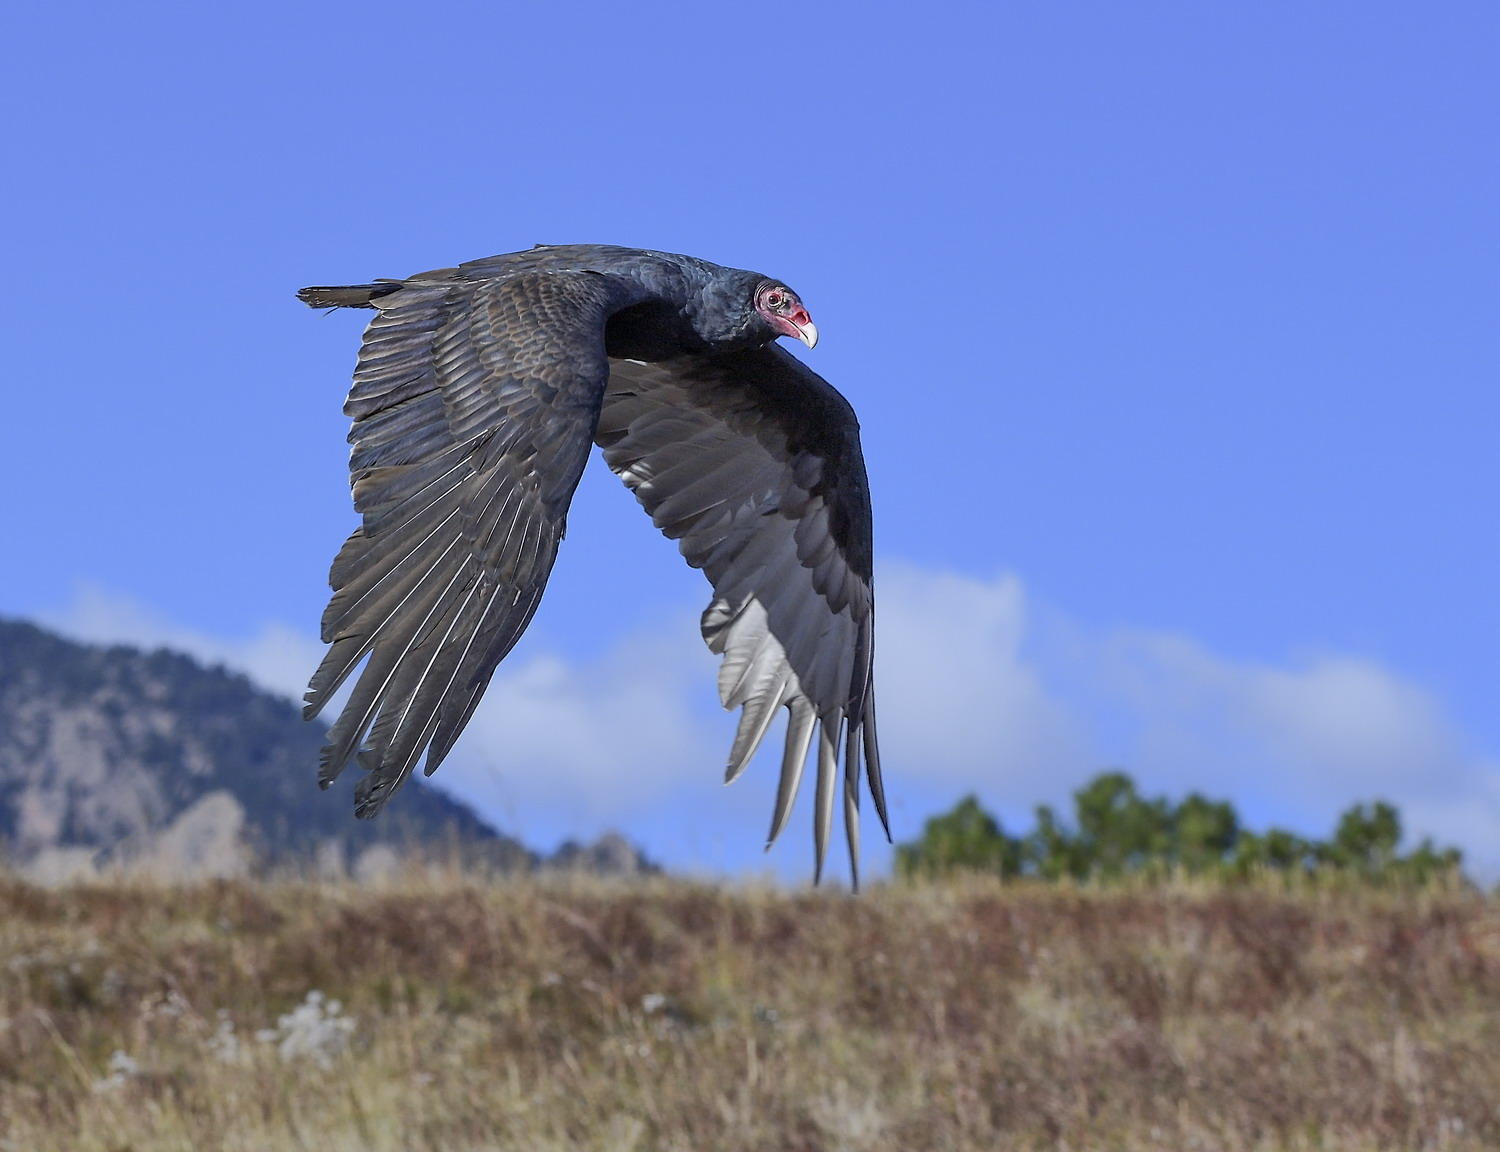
349, 296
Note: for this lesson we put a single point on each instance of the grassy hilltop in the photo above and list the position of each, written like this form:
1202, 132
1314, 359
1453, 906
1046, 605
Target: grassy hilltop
452, 1013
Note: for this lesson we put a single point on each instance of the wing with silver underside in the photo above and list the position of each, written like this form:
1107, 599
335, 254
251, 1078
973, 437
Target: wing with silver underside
752, 463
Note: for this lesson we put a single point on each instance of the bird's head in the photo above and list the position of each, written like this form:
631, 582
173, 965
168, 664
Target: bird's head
784, 312
736, 309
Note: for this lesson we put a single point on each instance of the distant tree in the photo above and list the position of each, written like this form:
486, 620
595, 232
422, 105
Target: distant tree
1366, 842
1051, 851
1275, 850
1366, 838
1205, 833
1118, 832
1427, 863
966, 839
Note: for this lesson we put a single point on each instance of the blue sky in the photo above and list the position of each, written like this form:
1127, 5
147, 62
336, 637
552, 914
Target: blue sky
1172, 329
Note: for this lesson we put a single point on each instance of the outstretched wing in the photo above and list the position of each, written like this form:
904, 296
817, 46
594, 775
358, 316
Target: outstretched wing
474, 407
751, 461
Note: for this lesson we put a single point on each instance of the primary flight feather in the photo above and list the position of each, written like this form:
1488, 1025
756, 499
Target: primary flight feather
477, 395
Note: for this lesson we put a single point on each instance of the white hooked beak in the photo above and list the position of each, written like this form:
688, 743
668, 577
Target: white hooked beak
799, 324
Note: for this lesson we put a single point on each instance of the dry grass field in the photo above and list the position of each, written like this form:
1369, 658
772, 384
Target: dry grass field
455, 1014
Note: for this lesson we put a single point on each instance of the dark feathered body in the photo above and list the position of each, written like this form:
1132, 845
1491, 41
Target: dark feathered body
478, 393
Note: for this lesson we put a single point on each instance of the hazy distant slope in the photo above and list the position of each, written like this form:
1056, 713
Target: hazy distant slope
115, 752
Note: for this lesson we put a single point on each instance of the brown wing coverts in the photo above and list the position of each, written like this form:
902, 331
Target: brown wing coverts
474, 405
752, 463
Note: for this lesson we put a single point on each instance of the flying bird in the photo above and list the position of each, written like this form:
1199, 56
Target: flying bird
477, 395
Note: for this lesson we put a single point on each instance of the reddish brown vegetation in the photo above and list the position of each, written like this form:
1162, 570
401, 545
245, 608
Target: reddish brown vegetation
675, 1016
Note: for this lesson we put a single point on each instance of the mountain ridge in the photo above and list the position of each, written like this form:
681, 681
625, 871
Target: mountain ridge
114, 755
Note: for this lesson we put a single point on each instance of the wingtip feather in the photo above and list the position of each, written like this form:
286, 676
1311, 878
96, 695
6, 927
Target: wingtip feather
823, 813
755, 721
799, 734
872, 767
851, 801
851, 823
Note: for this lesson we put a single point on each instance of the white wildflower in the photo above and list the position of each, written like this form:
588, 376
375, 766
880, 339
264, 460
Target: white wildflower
122, 1068
653, 1002
315, 1030
224, 1045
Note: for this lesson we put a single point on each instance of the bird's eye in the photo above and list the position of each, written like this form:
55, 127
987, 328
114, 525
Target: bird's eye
775, 299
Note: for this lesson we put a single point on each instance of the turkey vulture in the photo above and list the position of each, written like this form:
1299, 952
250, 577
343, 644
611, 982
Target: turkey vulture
477, 394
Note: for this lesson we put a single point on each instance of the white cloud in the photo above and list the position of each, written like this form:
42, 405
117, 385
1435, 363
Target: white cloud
1337, 723
962, 706
1302, 739
978, 691
276, 657
595, 742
